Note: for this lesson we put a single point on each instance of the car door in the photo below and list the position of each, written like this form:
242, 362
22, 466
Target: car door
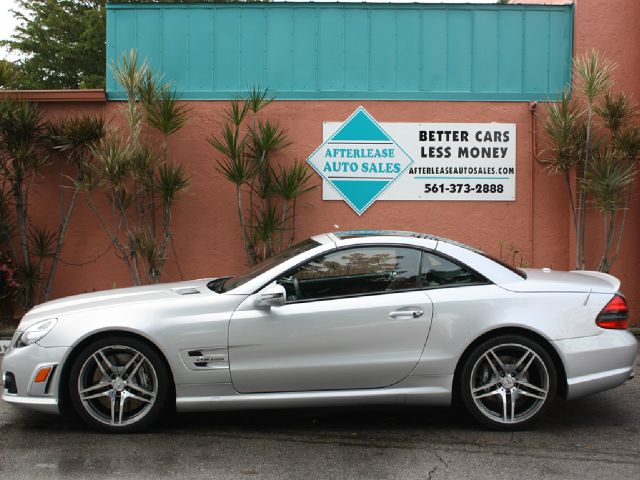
353, 318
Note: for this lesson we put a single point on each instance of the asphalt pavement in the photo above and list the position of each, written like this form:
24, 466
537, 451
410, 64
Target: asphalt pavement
597, 437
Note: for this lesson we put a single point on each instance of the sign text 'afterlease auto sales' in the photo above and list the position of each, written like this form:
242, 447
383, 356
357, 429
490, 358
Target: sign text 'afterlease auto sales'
362, 161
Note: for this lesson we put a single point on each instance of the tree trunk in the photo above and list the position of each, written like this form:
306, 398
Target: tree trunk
61, 234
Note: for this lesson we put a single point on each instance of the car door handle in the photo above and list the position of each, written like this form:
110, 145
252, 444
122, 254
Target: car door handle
407, 313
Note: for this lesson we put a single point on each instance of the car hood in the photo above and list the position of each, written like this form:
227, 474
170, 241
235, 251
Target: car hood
547, 280
117, 296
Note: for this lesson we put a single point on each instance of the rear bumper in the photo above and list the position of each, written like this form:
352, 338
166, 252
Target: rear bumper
599, 362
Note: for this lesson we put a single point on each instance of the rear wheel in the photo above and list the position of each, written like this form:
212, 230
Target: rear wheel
118, 384
508, 382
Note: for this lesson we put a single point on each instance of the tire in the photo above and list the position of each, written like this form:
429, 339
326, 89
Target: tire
118, 384
508, 382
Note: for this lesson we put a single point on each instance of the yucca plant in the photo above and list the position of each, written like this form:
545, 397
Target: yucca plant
131, 74
607, 182
164, 113
140, 182
22, 158
563, 127
602, 153
290, 183
264, 192
594, 77
72, 140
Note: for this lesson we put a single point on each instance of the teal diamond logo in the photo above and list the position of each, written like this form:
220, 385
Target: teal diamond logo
360, 160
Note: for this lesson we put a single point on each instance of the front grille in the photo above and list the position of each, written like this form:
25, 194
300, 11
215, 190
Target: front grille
10, 383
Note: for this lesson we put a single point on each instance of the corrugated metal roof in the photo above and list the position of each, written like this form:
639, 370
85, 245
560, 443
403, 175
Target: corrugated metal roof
350, 51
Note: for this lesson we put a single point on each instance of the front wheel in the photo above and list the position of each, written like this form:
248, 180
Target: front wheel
118, 384
508, 382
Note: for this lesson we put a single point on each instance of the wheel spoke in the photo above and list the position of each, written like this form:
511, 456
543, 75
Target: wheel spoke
123, 397
498, 361
137, 397
488, 394
94, 387
514, 397
137, 367
100, 366
522, 359
140, 389
125, 370
524, 369
537, 392
503, 394
491, 364
487, 385
110, 368
89, 393
113, 406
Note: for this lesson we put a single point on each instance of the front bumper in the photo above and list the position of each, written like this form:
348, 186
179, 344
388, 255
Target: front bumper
24, 364
599, 362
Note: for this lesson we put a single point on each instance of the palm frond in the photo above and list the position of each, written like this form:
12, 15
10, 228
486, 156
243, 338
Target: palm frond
607, 181
266, 137
257, 98
164, 113
562, 125
615, 111
627, 143
171, 179
112, 162
42, 242
229, 142
145, 246
237, 112
75, 136
143, 161
130, 73
593, 74
21, 123
266, 222
292, 181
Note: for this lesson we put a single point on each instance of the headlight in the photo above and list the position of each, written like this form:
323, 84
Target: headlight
35, 332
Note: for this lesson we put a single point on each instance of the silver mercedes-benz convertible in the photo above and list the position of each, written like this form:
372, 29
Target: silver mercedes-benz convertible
341, 318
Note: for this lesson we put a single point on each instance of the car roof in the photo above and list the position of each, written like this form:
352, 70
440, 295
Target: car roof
347, 234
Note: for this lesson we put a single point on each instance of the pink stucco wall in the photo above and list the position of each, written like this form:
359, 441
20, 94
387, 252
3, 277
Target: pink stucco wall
207, 232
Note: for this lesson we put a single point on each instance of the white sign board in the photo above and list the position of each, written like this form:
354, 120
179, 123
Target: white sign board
452, 161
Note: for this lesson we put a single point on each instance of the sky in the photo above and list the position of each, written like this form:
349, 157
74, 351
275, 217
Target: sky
8, 23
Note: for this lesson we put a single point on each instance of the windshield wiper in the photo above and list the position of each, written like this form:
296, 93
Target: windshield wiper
216, 284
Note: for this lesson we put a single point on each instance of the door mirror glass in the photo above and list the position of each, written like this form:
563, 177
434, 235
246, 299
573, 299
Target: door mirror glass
272, 295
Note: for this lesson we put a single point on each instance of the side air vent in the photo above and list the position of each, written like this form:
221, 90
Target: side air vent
187, 291
206, 358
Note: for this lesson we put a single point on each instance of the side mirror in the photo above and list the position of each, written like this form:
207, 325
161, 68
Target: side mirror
273, 295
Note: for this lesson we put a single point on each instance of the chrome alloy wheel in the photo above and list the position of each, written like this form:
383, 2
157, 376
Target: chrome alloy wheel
117, 385
509, 383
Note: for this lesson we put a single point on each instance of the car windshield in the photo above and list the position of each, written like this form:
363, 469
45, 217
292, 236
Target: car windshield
253, 272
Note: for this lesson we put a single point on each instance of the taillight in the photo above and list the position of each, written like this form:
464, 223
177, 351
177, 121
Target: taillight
615, 314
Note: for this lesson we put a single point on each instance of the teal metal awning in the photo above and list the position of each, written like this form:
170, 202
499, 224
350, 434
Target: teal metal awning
349, 50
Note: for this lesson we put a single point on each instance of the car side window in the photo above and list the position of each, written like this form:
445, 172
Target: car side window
354, 271
437, 271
